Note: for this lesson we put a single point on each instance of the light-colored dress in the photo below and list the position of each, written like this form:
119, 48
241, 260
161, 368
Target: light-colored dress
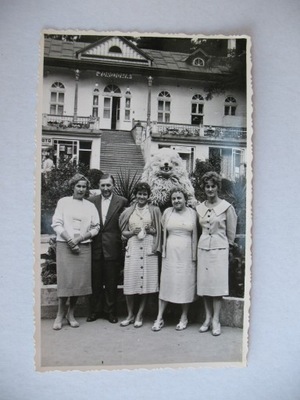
178, 275
218, 231
76, 217
141, 262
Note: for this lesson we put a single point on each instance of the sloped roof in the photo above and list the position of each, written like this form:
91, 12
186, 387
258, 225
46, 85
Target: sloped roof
162, 60
54, 48
176, 61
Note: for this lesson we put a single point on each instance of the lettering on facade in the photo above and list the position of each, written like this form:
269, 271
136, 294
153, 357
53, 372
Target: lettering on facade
47, 141
104, 74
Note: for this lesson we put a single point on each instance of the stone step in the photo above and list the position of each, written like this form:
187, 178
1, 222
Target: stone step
119, 151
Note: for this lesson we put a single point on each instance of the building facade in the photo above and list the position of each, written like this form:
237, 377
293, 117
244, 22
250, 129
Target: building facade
113, 84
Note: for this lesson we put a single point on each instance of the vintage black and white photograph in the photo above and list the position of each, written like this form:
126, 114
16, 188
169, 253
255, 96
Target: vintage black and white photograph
143, 229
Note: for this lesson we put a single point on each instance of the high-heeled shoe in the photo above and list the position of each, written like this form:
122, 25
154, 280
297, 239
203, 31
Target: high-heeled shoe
158, 324
138, 323
181, 325
205, 327
57, 324
127, 322
216, 329
72, 321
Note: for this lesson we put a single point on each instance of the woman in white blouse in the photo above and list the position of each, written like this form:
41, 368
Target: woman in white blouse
218, 221
75, 221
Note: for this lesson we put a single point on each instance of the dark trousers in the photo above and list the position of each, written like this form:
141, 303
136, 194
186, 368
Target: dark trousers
105, 274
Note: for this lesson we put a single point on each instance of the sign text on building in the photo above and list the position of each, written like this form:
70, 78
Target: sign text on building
105, 74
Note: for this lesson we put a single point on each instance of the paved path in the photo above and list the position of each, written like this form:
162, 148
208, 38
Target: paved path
101, 344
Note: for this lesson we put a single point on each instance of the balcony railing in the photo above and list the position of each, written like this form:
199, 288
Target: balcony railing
68, 121
207, 131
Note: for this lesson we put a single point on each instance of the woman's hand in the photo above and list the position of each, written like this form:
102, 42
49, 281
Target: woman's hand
77, 240
135, 232
150, 230
74, 246
129, 234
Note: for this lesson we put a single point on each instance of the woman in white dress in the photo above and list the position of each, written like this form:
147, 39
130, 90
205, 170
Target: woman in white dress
218, 221
178, 276
141, 225
75, 221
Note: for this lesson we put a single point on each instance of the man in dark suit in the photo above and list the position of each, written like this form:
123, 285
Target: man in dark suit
106, 252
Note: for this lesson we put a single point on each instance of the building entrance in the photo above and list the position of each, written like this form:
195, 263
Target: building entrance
115, 114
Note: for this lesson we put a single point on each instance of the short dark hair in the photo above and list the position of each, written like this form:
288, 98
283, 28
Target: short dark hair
180, 190
211, 176
107, 176
142, 186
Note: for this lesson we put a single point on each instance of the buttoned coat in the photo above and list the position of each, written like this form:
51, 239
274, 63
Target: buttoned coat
108, 241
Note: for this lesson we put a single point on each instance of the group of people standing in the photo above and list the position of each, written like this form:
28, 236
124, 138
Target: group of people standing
190, 243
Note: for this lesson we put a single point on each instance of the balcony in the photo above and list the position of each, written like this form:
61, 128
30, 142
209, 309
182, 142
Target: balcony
201, 133
70, 122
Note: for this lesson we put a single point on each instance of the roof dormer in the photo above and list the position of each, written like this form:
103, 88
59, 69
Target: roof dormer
198, 58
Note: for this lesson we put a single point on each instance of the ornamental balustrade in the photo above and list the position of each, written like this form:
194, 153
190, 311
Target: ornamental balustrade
170, 130
68, 121
208, 131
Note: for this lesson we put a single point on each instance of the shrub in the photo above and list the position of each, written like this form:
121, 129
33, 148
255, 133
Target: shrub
54, 186
232, 191
94, 176
48, 273
125, 183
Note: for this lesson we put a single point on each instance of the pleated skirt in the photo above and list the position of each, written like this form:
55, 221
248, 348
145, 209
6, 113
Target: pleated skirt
74, 274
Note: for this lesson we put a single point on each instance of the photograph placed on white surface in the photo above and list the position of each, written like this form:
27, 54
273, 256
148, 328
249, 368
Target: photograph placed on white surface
143, 201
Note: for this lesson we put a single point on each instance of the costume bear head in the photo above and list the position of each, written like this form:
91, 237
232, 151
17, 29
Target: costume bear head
164, 171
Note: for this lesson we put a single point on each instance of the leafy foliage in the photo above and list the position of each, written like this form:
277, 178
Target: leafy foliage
55, 184
125, 183
201, 167
232, 191
94, 176
48, 273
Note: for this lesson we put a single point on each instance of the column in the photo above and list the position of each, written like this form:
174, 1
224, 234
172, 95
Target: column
150, 80
77, 72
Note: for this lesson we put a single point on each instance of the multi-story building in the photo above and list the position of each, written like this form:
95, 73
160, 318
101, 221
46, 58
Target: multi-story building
94, 91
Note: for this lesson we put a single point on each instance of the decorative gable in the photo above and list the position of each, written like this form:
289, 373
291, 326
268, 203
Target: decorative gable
116, 49
198, 58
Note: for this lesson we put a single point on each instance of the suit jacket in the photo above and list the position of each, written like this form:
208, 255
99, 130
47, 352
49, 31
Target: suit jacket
108, 241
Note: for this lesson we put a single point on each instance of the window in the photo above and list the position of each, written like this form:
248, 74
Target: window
164, 107
95, 112
65, 151
197, 109
198, 62
106, 107
115, 49
57, 98
85, 151
230, 106
230, 161
72, 152
223, 158
113, 89
127, 104
237, 161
